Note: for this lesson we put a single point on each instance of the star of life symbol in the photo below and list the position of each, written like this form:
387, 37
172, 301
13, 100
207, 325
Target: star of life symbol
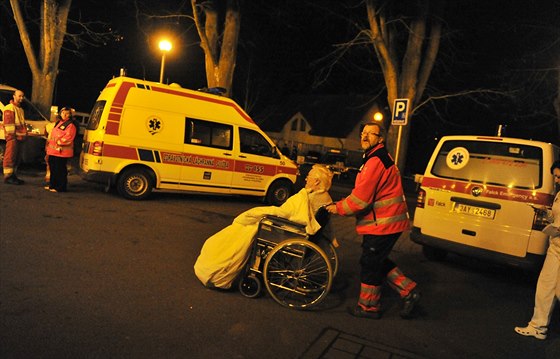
457, 158
154, 125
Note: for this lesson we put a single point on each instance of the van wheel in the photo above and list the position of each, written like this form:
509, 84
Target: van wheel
278, 193
434, 254
135, 183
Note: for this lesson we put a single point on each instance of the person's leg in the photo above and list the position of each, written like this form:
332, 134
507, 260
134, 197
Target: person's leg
17, 159
55, 179
545, 295
375, 250
63, 174
9, 157
399, 282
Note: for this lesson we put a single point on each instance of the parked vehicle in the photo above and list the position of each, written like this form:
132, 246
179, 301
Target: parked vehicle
145, 135
475, 199
33, 149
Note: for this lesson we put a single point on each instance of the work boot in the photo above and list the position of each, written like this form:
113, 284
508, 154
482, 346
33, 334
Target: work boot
409, 303
359, 312
13, 180
19, 180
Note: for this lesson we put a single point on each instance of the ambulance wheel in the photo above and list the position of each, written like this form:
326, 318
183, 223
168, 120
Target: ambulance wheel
434, 254
135, 183
278, 192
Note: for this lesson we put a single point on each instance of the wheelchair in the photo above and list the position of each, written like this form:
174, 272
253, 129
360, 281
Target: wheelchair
297, 269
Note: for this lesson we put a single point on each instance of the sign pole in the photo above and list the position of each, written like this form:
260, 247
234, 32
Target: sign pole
398, 146
399, 118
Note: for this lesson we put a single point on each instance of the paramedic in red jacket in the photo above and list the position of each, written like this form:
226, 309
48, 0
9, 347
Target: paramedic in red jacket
15, 132
60, 147
377, 201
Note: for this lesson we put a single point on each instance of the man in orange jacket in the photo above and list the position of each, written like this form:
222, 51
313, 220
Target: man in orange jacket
377, 201
15, 132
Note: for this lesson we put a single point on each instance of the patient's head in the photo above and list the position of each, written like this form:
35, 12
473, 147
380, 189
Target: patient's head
319, 178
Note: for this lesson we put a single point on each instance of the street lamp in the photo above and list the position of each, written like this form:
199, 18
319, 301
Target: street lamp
378, 117
164, 46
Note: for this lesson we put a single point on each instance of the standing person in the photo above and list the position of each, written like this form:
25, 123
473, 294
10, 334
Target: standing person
15, 132
548, 284
377, 201
60, 147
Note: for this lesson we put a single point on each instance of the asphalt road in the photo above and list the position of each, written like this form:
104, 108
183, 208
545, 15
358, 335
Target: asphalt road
87, 274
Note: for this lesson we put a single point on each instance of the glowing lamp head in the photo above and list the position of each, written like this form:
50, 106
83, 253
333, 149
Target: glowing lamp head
165, 45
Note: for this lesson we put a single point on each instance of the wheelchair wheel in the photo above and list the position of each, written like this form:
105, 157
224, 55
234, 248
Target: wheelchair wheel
297, 274
330, 251
250, 286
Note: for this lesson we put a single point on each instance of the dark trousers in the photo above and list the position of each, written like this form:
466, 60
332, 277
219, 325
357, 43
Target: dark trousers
375, 264
59, 173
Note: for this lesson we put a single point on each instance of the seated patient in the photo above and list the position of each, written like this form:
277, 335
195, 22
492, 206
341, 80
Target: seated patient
224, 254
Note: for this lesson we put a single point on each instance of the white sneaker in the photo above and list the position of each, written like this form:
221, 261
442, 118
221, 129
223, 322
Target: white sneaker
530, 331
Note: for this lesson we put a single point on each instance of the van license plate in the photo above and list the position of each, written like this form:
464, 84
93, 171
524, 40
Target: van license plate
474, 211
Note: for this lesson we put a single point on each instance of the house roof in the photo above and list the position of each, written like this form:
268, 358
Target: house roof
328, 115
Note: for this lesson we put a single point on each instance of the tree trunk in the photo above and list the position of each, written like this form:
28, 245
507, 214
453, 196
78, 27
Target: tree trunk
44, 64
220, 58
415, 67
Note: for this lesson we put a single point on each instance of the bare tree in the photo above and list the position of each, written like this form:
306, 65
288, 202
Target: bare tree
406, 73
43, 61
218, 40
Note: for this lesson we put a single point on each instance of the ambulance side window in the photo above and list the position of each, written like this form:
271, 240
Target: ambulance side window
206, 133
254, 143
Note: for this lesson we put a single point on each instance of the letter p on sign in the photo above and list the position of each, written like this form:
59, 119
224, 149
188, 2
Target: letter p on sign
400, 112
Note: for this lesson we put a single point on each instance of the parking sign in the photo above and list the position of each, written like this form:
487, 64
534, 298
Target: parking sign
400, 112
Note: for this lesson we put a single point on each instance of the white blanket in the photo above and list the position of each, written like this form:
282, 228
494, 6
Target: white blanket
224, 254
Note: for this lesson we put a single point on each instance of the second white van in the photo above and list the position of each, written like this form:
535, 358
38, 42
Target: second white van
475, 199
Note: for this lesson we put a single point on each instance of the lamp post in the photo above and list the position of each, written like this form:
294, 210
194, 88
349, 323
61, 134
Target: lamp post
378, 117
164, 46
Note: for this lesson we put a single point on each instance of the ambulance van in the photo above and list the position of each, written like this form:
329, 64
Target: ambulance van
476, 196
143, 136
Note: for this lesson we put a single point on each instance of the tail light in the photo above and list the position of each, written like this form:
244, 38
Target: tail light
540, 221
97, 148
421, 199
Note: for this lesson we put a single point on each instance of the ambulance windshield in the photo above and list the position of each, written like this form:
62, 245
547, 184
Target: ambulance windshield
503, 164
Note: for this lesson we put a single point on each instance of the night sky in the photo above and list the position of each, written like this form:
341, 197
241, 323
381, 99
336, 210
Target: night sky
486, 44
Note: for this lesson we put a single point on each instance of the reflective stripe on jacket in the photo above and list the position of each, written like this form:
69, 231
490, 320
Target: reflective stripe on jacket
377, 199
14, 122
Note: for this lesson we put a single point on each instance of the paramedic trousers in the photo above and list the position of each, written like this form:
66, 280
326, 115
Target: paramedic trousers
375, 262
11, 157
59, 173
548, 287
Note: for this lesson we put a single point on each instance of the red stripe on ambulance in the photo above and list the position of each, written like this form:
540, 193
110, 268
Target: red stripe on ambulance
255, 168
193, 160
488, 191
207, 99
114, 118
128, 153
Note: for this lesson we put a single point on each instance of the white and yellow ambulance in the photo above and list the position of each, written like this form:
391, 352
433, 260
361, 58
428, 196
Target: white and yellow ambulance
145, 135
476, 199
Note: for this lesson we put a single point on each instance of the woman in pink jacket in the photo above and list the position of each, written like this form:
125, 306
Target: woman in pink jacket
60, 147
